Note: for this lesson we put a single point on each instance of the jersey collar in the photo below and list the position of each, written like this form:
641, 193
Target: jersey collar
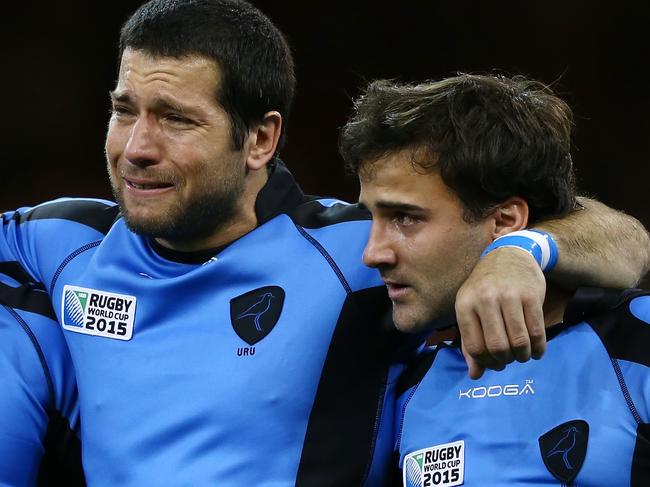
280, 194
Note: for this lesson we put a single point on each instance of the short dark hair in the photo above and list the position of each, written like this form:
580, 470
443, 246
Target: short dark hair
491, 138
257, 71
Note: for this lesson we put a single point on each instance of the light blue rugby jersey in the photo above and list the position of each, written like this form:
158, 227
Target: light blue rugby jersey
580, 416
262, 363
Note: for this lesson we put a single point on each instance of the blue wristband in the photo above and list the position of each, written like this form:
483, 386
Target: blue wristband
537, 243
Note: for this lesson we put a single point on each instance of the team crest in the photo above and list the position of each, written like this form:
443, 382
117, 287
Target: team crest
440, 465
564, 449
254, 314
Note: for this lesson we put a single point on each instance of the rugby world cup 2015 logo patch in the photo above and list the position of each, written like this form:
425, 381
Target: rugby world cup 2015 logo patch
74, 307
440, 465
98, 313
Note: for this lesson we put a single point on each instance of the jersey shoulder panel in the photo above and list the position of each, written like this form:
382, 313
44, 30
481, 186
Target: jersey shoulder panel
624, 328
323, 212
94, 213
41, 238
340, 232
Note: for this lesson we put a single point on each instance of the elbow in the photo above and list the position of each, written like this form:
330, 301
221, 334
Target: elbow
638, 267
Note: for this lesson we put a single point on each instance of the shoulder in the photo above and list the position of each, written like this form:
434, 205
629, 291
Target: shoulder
339, 231
623, 325
95, 213
324, 212
40, 238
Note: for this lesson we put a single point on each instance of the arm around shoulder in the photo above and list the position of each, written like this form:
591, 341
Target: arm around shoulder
599, 246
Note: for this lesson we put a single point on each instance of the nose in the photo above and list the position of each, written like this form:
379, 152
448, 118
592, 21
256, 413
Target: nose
142, 146
379, 251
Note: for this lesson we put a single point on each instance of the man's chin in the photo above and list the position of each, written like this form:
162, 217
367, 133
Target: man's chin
408, 321
152, 226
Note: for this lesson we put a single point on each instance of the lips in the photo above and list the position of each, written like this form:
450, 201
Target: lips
146, 185
396, 290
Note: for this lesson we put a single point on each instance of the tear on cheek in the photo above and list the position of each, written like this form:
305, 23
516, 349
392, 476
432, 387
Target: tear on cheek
398, 232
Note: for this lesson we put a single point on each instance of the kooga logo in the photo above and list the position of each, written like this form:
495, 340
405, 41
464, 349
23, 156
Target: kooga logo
497, 391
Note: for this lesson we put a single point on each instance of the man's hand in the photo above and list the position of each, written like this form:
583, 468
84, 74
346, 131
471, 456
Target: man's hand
499, 311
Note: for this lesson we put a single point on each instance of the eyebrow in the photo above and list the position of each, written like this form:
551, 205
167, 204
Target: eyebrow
159, 104
121, 97
393, 206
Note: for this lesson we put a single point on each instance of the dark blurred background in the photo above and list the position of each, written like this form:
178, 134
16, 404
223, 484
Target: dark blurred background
59, 61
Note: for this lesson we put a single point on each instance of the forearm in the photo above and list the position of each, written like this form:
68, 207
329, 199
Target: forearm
499, 307
598, 246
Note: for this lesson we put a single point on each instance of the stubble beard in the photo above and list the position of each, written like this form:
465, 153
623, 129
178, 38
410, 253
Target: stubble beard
431, 304
436, 295
205, 213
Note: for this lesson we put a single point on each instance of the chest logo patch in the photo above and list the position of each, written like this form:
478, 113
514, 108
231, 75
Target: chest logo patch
254, 314
98, 313
564, 449
440, 465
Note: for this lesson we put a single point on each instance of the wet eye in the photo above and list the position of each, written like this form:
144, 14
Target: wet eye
176, 119
120, 111
404, 219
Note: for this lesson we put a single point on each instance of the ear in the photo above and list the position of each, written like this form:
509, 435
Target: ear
510, 216
263, 141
